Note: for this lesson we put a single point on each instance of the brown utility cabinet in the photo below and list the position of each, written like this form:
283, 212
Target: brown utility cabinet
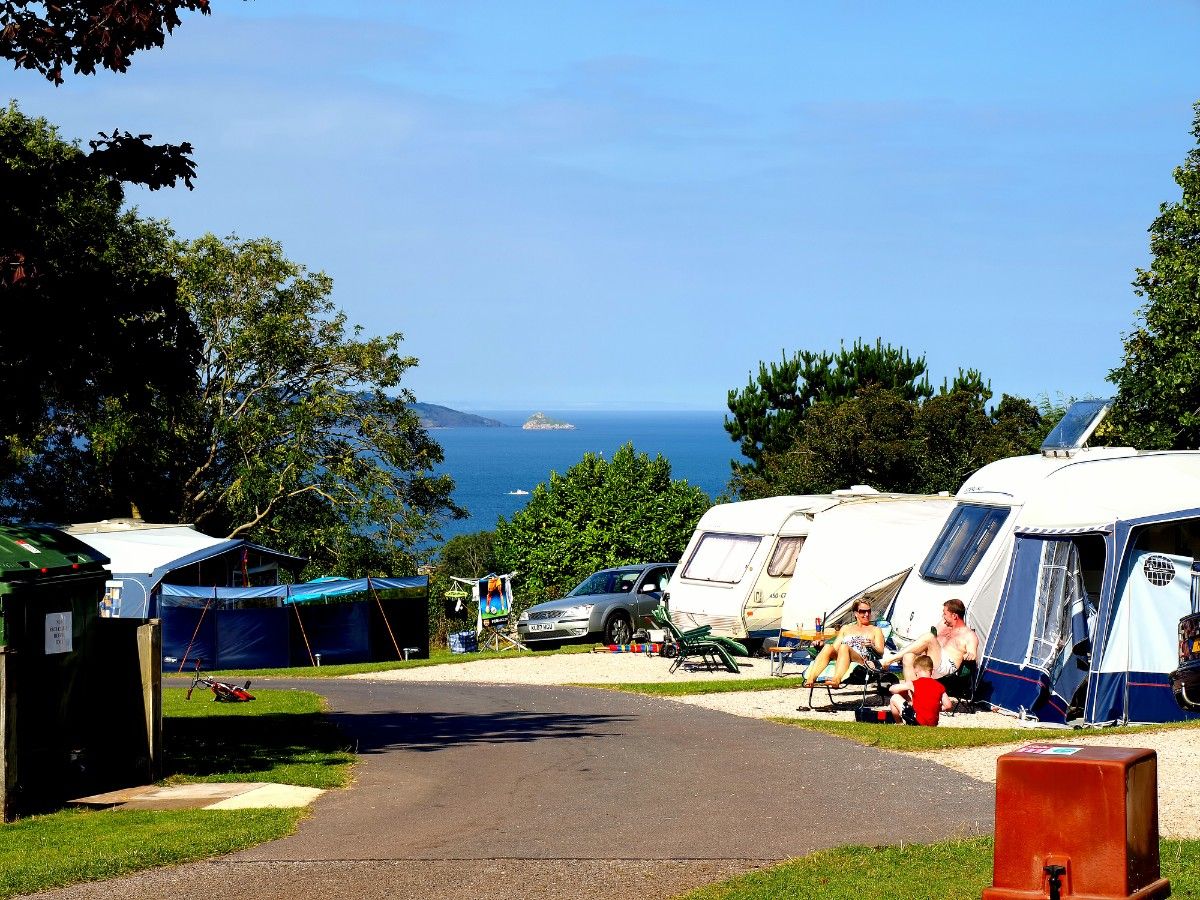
1077, 822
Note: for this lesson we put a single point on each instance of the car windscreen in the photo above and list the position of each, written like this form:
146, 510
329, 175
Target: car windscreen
964, 540
604, 583
721, 557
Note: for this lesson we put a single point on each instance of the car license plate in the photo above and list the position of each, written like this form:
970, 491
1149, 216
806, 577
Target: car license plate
541, 626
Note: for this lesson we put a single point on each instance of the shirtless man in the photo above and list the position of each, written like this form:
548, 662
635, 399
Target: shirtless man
953, 643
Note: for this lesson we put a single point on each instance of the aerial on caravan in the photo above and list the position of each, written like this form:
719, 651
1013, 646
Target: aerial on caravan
970, 558
862, 549
737, 570
1103, 570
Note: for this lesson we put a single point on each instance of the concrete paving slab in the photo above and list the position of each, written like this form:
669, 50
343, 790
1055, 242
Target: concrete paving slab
205, 795
271, 796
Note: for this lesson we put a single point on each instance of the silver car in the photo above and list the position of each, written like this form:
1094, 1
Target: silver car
607, 605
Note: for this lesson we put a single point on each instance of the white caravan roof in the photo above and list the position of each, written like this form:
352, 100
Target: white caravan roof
766, 516
857, 544
1011, 481
142, 548
1094, 493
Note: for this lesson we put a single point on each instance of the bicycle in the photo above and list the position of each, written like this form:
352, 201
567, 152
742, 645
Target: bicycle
223, 691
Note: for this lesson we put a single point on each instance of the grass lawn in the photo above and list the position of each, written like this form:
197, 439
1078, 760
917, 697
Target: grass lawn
951, 870
436, 658
63, 848
280, 737
882, 736
898, 737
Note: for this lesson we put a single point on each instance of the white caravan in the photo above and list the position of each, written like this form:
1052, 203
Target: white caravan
970, 558
736, 572
863, 549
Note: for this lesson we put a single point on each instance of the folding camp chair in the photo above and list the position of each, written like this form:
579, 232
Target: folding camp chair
872, 675
961, 685
880, 678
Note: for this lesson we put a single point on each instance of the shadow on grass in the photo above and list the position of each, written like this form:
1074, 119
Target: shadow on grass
432, 731
245, 745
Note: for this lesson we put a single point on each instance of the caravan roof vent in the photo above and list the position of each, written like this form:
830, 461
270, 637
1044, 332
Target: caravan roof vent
1082, 418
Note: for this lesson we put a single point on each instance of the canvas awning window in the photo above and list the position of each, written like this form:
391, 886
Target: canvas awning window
309, 592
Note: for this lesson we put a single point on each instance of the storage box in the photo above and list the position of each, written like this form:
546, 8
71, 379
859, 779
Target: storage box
463, 642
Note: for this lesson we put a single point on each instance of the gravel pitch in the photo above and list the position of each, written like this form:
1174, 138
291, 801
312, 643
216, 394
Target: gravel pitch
1178, 749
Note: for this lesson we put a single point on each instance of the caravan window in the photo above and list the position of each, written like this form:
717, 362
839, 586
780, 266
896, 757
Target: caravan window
722, 557
965, 537
783, 559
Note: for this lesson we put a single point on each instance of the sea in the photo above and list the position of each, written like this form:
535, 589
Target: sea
489, 465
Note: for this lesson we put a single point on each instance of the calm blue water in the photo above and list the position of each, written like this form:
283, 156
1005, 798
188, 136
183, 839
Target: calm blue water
487, 463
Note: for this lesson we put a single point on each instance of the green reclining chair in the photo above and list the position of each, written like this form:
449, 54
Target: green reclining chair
698, 644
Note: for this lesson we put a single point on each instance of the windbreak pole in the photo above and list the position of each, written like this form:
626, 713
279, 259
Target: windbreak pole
386, 623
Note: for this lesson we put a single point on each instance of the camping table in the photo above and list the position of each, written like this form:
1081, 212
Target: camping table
804, 639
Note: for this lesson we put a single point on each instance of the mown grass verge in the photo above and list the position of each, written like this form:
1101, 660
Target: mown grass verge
281, 737
903, 738
950, 870
62, 848
436, 658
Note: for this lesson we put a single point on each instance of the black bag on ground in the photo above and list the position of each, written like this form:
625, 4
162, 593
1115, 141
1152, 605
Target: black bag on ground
877, 716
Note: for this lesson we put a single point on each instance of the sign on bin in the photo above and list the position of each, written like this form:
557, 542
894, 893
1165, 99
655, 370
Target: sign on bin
58, 633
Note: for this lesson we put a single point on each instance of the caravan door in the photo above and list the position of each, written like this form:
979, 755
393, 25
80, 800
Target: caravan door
764, 605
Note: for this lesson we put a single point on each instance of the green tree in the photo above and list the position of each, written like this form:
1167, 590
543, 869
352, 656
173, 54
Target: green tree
595, 515
892, 443
866, 439
1158, 382
95, 346
294, 439
765, 416
83, 35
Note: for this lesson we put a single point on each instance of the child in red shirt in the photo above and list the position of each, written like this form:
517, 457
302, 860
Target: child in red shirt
921, 701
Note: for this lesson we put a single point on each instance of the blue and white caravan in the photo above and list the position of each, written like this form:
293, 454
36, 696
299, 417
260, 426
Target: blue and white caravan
1100, 576
969, 559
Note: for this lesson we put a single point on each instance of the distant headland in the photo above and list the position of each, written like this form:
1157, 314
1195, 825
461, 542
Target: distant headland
542, 422
434, 416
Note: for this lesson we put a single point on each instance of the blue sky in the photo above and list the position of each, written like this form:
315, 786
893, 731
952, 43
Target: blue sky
629, 204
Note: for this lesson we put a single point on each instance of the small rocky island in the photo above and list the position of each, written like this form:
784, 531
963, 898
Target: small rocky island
542, 422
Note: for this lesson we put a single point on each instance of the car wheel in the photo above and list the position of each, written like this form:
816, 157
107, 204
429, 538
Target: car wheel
618, 630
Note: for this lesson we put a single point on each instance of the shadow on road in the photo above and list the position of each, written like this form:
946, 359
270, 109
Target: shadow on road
428, 732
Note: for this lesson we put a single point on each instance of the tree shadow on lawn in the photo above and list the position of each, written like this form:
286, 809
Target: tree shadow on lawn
428, 732
233, 744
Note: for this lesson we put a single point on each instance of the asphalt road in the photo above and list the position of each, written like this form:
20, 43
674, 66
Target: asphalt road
514, 791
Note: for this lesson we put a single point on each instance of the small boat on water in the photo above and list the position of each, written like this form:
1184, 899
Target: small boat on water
518, 493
